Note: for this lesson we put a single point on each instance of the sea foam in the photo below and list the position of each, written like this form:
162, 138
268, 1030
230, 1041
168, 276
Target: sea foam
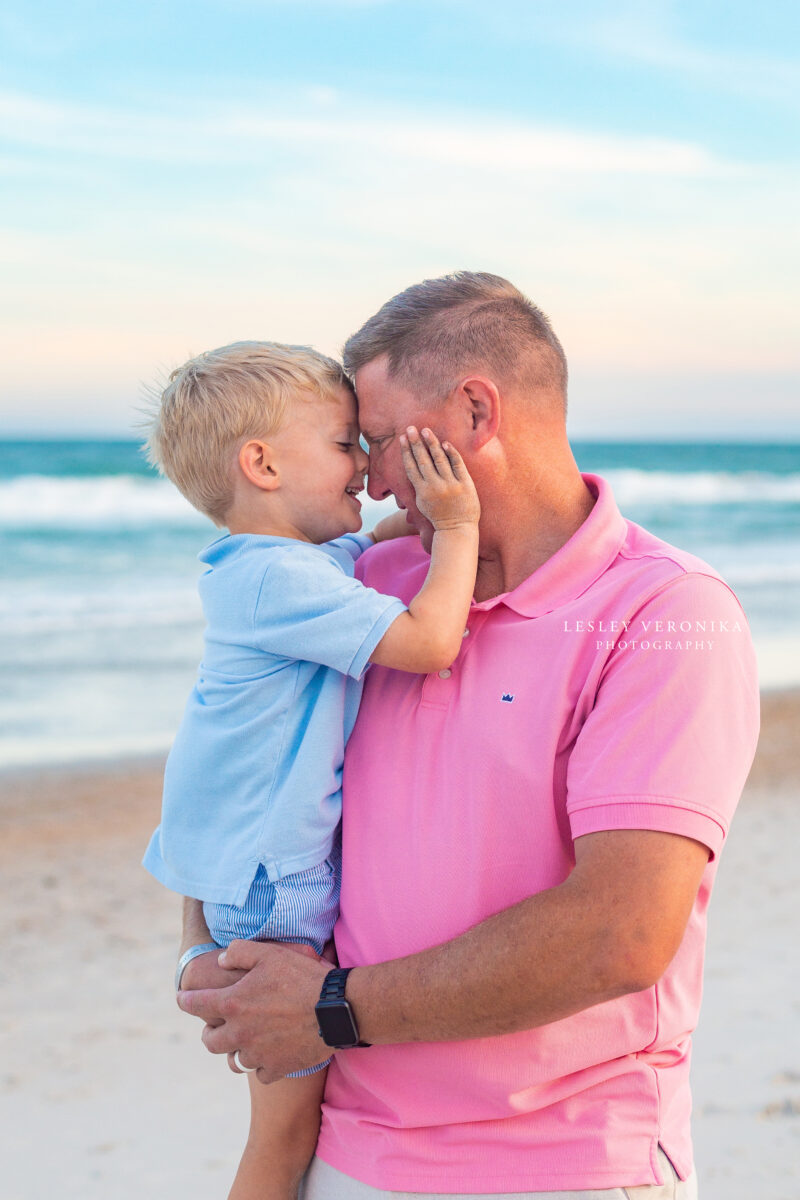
123, 502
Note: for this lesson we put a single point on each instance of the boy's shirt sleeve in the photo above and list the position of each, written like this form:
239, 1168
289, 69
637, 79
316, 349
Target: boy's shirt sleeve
353, 544
309, 608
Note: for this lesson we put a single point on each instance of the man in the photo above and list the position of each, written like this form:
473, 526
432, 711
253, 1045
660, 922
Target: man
530, 836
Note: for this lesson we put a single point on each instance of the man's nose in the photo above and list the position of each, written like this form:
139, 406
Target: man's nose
376, 488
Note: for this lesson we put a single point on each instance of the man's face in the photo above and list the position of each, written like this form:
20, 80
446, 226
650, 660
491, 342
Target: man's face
385, 410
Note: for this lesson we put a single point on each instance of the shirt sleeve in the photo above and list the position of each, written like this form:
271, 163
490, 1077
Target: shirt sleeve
672, 734
309, 608
353, 544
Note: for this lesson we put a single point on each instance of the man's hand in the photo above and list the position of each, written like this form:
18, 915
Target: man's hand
268, 1015
205, 972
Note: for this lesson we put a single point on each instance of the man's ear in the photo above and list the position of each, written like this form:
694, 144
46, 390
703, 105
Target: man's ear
480, 400
258, 463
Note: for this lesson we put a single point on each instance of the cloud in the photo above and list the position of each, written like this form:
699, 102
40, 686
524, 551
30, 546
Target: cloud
234, 133
649, 35
143, 234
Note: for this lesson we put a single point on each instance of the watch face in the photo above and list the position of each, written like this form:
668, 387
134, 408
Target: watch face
336, 1024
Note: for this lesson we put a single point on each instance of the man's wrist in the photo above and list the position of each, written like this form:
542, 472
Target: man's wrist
359, 997
338, 1026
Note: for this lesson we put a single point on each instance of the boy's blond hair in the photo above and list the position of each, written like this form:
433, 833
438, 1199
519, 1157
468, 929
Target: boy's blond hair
216, 401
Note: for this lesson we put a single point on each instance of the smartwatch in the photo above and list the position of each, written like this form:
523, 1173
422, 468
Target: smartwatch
335, 1017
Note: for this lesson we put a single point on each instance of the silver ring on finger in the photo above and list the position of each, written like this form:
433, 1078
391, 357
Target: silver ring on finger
237, 1066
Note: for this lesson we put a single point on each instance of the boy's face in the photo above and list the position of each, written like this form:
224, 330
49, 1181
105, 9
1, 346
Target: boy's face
321, 466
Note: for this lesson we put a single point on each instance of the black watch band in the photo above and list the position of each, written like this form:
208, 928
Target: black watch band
335, 1017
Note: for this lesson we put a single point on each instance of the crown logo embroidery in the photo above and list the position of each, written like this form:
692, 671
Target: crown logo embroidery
507, 698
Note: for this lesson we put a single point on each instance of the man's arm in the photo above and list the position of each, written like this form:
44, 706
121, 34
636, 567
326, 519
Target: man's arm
611, 928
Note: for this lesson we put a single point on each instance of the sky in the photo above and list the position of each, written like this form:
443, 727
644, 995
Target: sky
176, 176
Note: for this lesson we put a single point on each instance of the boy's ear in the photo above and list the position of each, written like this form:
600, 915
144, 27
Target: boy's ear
259, 466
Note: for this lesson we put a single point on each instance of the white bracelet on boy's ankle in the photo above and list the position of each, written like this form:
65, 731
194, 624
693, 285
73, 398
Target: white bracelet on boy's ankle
188, 955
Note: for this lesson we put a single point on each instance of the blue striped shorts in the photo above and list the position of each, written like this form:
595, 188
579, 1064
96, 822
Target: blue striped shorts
297, 908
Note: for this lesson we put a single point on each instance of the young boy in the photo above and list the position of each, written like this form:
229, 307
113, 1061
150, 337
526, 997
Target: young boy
264, 439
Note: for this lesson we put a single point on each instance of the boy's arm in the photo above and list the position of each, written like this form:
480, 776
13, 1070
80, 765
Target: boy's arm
203, 971
428, 636
195, 931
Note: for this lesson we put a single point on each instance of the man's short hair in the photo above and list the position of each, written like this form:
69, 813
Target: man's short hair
438, 330
216, 401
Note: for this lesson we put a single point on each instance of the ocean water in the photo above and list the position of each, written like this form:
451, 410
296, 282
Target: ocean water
101, 629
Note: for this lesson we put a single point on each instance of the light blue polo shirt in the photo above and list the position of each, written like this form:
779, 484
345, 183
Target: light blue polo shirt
254, 776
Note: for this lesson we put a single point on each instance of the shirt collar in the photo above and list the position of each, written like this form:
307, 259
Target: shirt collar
576, 565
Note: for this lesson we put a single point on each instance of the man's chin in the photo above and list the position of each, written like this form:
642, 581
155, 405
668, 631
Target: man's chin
419, 524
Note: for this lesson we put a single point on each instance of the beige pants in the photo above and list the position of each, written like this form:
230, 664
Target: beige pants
324, 1183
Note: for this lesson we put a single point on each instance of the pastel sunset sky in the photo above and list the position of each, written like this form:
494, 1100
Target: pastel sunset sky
175, 176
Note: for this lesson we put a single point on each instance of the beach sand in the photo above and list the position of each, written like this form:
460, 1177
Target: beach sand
107, 1091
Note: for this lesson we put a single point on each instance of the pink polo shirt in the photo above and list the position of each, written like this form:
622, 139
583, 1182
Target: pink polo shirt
613, 689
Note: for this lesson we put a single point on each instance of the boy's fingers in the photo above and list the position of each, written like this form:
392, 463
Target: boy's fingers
455, 460
434, 448
409, 462
419, 451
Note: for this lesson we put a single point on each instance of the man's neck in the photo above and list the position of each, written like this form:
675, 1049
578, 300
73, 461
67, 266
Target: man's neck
528, 529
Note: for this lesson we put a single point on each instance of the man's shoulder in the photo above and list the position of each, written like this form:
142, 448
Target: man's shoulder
648, 566
646, 553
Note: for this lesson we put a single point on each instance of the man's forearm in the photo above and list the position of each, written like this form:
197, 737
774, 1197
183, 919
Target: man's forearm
482, 983
606, 931
612, 927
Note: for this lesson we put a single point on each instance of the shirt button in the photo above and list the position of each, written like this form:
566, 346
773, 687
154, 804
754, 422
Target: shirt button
465, 633
445, 674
